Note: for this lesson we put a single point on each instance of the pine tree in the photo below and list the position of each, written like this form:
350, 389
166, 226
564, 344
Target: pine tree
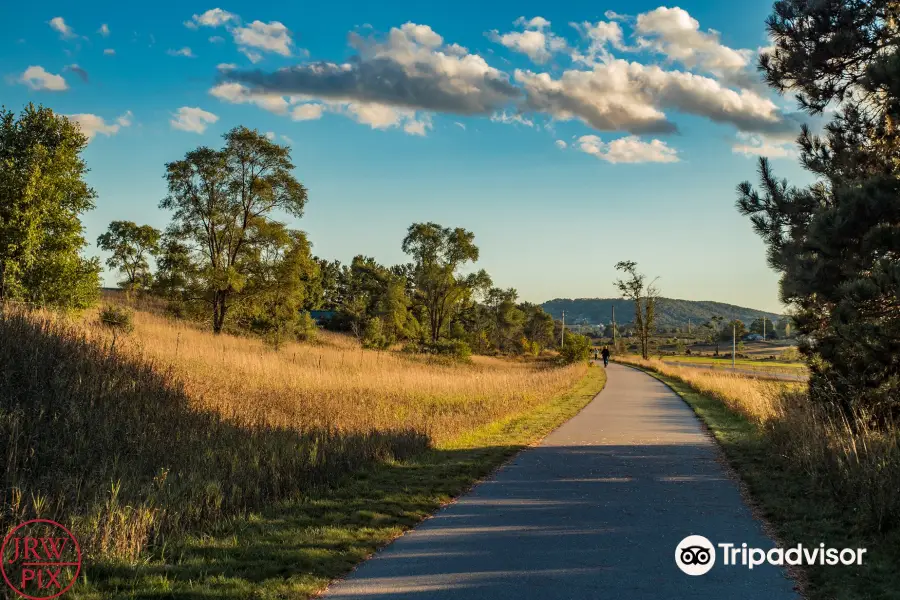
837, 242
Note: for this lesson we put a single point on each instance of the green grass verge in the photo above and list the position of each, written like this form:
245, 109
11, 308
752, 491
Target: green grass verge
799, 510
294, 549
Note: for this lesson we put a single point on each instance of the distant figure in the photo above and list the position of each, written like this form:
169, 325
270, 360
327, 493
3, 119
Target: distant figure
605, 355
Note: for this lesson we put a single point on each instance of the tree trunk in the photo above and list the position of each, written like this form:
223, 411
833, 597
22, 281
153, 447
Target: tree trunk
219, 309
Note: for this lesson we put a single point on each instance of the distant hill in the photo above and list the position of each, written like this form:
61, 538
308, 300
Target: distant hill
670, 312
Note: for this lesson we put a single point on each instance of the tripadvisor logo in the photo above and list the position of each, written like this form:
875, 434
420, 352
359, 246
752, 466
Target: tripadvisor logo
696, 555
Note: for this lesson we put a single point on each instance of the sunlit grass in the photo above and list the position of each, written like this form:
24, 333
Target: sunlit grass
137, 439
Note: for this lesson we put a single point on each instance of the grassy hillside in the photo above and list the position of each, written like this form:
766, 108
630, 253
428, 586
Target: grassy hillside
670, 313
170, 430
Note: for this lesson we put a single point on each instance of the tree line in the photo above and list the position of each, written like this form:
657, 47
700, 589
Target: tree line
226, 258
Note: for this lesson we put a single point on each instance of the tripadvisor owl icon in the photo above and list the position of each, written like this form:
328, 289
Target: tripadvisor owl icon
695, 555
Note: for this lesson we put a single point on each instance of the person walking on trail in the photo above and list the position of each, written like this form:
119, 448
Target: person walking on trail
605, 355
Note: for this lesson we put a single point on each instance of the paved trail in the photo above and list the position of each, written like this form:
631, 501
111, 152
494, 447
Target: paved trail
595, 511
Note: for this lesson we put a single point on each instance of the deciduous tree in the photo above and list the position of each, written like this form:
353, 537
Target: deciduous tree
645, 296
222, 200
42, 197
131, 246
439, 288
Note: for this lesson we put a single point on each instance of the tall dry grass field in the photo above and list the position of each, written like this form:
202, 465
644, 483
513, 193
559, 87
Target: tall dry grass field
133, 438
856, 460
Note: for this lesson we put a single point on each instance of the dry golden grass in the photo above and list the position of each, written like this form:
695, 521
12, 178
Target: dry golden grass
170, 429
856, 461
337, 384
756, 399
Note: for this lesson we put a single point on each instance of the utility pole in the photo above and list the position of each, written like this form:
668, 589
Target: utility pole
562, 334
764, 329
614, 325
733, 341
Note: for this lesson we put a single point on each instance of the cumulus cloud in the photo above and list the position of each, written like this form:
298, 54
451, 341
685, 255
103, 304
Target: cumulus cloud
192, 119
37, 78
91, 125
307, 112
79, 71
109, 52
270, 37
753, 144
216, 39
623, 96
411, 68
58, 24
676, 34
537, 42
235, 93
226, 66
600, 37
214, 17
561, 144
181, 52
104, 30
629, 149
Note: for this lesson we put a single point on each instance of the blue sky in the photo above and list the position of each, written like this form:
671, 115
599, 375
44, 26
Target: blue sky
567, 136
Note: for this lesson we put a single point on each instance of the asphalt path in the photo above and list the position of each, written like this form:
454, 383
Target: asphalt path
595, 511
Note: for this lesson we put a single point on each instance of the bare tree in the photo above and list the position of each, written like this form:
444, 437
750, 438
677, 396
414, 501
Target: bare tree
645, 296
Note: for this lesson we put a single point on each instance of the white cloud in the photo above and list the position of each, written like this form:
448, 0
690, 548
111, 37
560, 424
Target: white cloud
534, 23
216, 39
623, 96
104, 30
600, 36
408, 69
226, 66
271, 37
460, 125
286, 139
561, 144
270, 135
109, 52
192, 119
511, 119
251, 55
751, 144
181, 52
539, 45
37, 78
235, 93
627, 150
307, 112
674, 33
418, 126
58, 24
91, 124
214, 17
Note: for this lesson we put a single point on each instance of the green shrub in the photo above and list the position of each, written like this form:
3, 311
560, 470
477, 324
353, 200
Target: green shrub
117, 318
575, 348
305, 329
373, 335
